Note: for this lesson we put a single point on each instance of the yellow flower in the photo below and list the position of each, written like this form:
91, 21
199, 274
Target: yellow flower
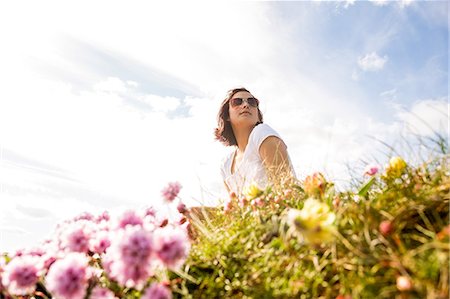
252, 191
395, 167
315, 222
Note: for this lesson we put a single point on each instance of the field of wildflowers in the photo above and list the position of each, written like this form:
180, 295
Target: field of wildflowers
386, 237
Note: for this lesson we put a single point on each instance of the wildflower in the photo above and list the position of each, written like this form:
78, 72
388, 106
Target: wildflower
404, 283
171, 246
101, 293
444, 233
315, 184
102, 217
182, 208
228, 205
68, 277
134, 246
243, 202
21, 275
129, 218
371, 170
170, 192
157, 291
128, 258
100, 242
75, 237
84, 216
252, 191
314, 221
386, 227
395, 167
259, 202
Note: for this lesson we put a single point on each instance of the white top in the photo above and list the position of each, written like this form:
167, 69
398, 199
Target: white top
251, 170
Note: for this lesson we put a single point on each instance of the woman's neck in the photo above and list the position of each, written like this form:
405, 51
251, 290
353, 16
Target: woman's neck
242, 135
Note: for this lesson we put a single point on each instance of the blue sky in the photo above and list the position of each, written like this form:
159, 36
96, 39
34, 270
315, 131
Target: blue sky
103, 103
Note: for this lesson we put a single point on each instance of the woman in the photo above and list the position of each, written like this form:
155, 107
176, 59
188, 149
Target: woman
260, 156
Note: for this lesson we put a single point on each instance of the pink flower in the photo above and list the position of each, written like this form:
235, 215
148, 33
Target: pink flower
101, 293
135, 246
243, 202
100, 242
171, 246
102, 217
128, 259
150, 211
68, 277
129, 218
21, 275
157, 291
371, 169
76, 237
170, 192
182, 208
84, 216
228, 205
259, 202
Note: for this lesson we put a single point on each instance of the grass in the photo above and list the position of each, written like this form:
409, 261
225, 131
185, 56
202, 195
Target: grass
390, 239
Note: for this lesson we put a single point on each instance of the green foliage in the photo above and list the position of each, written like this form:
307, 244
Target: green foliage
396, 226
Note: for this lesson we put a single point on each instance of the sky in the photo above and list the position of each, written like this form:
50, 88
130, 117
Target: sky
102, 103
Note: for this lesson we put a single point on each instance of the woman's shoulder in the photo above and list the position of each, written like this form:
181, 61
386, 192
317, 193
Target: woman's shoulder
261, 132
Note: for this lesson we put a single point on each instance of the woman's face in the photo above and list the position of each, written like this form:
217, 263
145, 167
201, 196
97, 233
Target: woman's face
243, 109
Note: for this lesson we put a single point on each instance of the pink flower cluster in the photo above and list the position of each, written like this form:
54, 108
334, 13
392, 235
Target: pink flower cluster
88, 250
21, 275
170, 192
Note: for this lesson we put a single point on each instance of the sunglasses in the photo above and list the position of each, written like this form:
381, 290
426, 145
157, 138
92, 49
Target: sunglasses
235, 102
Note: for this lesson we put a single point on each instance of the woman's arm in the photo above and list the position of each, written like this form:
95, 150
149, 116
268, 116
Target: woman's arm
273, 153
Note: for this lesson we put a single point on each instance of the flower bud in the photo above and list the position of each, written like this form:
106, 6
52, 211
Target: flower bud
164, 222
181, 208
404, 283
386, 227
371, 170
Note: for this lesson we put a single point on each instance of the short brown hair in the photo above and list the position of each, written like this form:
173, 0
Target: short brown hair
224, 132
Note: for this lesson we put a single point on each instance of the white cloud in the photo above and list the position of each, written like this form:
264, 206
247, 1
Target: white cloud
405, 3
401, 3
372, 62
348, 3
380, 2
427, 117
111, 84
161, 104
